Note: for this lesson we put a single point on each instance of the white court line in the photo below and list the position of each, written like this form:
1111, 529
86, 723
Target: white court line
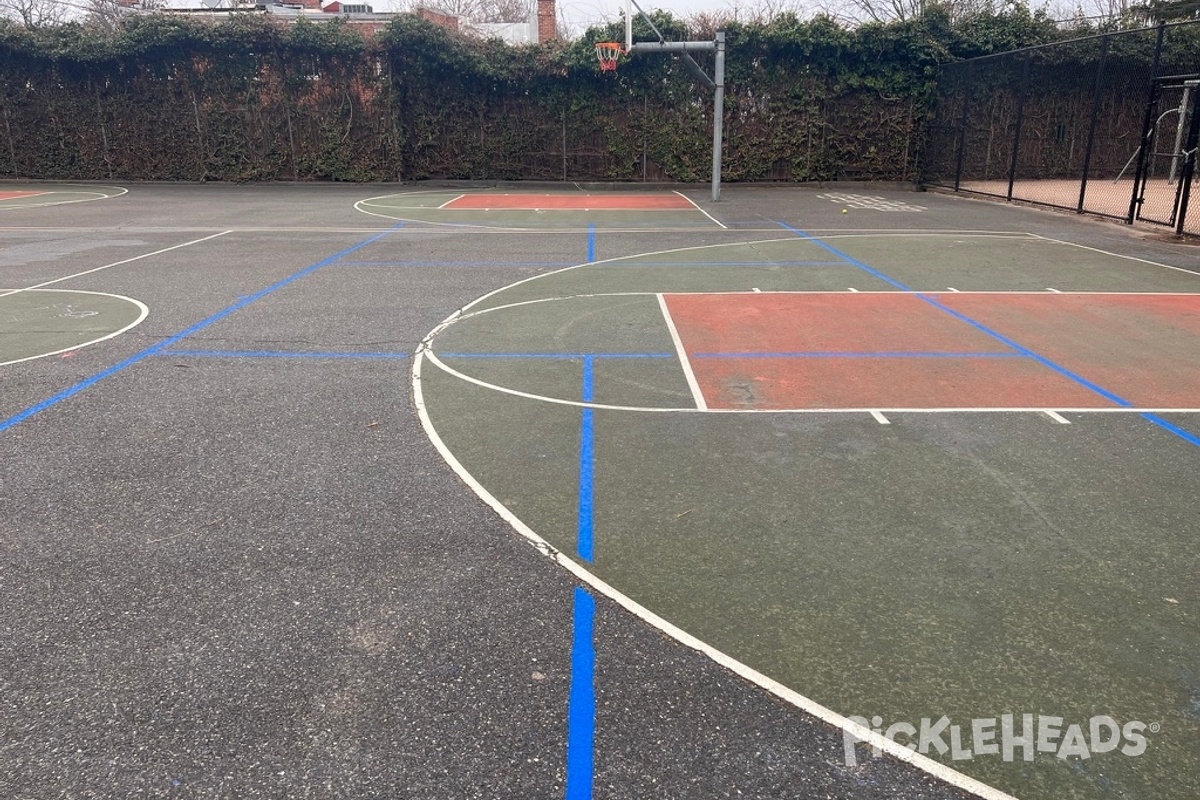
880, 418
361, 205
697, 395
1050, 289
465, 313
1059, 418
824, 233
480, 228
543, 209
141, 306
437, 362
1117, 255
868, 233
119, 190
14, 204
790, 696
114, 264
543, 275
701, 210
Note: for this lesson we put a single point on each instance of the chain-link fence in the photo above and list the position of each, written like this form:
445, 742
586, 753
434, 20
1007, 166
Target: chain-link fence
1102, 125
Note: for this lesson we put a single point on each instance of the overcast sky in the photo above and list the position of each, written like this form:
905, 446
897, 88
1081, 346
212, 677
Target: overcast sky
579, 14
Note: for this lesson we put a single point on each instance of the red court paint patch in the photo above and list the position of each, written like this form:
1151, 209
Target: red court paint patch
573, 202
16, 195
827, 323
1144, 348
788, 383
895, 350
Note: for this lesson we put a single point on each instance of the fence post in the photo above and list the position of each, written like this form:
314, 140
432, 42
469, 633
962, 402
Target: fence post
1147, 122
1012, 168
1087, 156
1189, 164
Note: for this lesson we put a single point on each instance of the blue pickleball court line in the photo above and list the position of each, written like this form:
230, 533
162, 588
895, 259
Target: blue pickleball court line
581, 705
278, 354
154, 349
864, 354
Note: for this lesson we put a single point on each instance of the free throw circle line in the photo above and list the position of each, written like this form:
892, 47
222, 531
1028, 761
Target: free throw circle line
144, 311
119, 191
751, 243
437, 362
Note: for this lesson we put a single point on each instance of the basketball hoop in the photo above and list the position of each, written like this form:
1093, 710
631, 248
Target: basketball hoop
608, 53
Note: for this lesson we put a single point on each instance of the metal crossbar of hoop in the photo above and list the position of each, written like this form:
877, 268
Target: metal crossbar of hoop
609, 52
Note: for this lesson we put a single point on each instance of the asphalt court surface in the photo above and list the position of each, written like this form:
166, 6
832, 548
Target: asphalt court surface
907, 466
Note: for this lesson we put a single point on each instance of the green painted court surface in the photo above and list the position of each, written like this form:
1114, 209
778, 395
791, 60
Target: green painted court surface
908, 466
35, 323
966, 565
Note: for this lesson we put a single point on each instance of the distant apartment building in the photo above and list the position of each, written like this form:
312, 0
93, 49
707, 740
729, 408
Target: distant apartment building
539, 28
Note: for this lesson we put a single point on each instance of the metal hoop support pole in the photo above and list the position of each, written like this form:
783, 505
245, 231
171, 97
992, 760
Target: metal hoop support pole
718, 116
718, 87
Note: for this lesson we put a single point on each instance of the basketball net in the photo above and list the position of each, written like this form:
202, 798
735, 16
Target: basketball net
608, 54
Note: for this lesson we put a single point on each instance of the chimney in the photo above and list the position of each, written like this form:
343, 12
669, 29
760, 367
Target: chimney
546, 22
